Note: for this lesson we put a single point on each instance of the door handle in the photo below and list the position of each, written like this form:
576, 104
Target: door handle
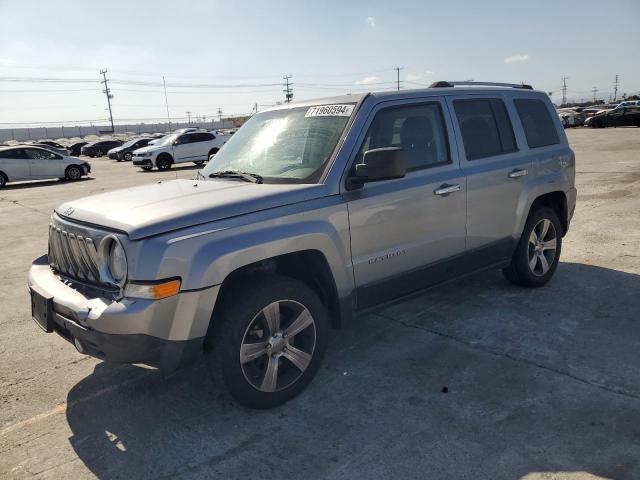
518, 173
446, 189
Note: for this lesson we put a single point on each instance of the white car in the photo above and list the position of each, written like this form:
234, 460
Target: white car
25, 162
194, 147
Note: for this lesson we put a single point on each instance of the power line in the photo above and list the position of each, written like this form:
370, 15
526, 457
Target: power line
288, 91
51, 91
107, 92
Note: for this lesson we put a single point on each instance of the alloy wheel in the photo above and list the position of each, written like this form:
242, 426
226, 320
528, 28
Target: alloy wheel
278, 346
74, 173
542, 247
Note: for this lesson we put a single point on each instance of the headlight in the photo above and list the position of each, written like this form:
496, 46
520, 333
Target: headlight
117, 262
146, 154
113, 265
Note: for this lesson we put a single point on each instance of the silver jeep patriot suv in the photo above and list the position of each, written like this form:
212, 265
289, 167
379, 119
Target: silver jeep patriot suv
311, 213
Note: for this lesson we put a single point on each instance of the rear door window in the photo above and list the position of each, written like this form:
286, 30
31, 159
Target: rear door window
486, 128
201, 137
536, 122
15, 153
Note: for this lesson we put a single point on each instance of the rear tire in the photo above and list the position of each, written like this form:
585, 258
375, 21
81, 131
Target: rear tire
128, 156
73, 172
285, 325
99, 153
536, 257
3, 179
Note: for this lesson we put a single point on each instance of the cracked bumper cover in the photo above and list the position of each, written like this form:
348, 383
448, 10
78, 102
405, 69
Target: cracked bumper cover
161, 333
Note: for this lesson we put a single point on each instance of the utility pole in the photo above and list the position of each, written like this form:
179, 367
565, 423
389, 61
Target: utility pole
220, 116
288, 91
109, 96
595, 92
188, 117
255, 108
397, 69
615, 88
166, 101
564, 90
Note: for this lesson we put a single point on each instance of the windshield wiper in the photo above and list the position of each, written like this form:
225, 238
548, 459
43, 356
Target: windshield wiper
249, 177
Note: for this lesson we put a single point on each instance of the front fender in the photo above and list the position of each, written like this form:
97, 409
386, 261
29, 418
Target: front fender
205, 255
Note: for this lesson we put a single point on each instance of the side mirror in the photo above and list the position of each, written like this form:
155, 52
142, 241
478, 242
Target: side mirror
379, 164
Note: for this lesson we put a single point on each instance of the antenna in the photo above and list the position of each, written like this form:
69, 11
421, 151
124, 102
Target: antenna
397, 69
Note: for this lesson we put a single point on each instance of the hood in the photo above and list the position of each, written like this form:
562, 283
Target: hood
114, 150
157, 208
148, 148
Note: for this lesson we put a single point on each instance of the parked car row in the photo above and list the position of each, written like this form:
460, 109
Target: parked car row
100, 148
621, 116
26, 162
624, 114
125, 151
48, 159
571, 117
180, 147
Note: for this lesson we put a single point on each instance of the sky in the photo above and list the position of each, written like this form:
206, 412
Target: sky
231, 55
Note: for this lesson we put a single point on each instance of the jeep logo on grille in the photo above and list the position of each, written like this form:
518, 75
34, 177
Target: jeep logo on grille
69, 211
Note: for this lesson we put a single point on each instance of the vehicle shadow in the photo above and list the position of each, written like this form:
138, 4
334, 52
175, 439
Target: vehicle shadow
43, 183
477, 379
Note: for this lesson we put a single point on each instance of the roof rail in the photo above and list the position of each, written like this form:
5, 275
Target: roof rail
448, 84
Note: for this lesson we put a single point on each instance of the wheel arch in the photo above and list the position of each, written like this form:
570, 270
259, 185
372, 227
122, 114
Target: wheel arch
557, 201
310, 267
163, 155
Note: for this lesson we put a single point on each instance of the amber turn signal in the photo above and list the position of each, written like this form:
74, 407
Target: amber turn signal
153, 291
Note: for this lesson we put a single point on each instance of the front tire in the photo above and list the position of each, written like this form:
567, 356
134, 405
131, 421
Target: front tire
73, 172
164, 162
199, 163
3, 180
536, 257
269, 341
99, 153
128, 156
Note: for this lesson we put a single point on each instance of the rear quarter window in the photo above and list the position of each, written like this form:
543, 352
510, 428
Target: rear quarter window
537, 123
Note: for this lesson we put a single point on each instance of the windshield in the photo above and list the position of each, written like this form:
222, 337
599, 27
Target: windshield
284, 146
130, 143
166, 140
